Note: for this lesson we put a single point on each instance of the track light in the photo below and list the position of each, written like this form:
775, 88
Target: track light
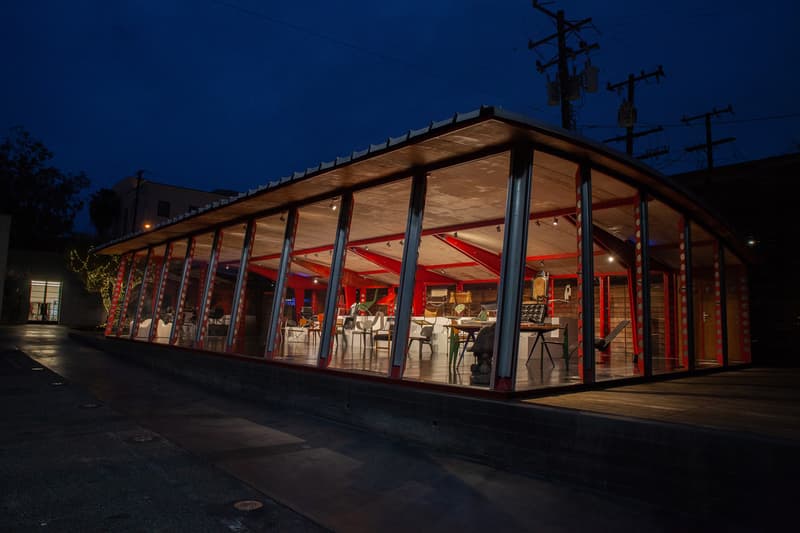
401, 242
498, 229
610, 258
316, 281
455, 234
283, 217
555, 221
333, 205
538, 223
388, 244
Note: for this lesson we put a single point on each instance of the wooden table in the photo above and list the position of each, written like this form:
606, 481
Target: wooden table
470, 328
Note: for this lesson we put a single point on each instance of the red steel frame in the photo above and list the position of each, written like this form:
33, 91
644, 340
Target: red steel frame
159, 294
579, 279
684, 300
211, 273
717, 305
236, 319
187, 265
744, 317
126, 299
148, 267
639, 276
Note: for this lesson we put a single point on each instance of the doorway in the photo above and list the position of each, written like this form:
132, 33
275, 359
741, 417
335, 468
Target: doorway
45, 302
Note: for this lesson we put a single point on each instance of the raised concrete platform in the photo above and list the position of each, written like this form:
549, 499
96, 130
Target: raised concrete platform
699, 467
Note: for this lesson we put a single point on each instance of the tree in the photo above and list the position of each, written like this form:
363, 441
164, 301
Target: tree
103, 205
97, 272
41, 199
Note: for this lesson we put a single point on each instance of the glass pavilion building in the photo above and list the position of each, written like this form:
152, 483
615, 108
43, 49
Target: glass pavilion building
560, 261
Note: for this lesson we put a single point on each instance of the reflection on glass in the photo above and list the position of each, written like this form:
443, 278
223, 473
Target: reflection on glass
187, 313
666, 304
549, 341
618, 347
149, 289
166, 311
737, 309
706, 299
224, 283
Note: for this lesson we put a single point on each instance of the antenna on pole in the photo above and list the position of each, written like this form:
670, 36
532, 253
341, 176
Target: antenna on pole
627, 115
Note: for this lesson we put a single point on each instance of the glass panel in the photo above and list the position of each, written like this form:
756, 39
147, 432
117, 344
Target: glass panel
550, 358
368, 291
114, 311
169, 298
187, 314
45, 301
736, 306
707, 349
665, 227
262, 271
131, 295
228, 266
462, 243
618, 349
307, 281
149, 292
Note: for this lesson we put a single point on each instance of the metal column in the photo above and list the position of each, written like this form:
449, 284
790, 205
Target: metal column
338, 256
585, 273
114, 304
208, 289
405, 293
643, 285
512, 269
723, 300
147, 266
181, 298
162, 280
687, 298
126, 298
241, 285
280, 283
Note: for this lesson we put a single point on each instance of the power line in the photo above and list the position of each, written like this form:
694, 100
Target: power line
709, 144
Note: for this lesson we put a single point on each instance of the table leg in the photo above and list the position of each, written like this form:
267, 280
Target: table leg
470, 337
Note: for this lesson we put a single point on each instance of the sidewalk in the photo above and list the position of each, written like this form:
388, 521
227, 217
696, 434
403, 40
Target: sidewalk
332, 474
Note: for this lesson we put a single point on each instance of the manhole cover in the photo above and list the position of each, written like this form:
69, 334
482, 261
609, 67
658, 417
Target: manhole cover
90, 405
248, 505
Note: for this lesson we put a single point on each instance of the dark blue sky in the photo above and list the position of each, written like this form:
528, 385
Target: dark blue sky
233, 93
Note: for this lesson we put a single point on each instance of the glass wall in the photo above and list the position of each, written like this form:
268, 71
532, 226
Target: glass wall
223, 286
462, 243
706, 299
737, 308
151, 279
550, 358
262, 272
130, 300
307, 281
188, 309
618, 348
169, 296
370, 277
665, 226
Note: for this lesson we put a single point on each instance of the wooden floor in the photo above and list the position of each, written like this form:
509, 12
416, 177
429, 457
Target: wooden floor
435, 367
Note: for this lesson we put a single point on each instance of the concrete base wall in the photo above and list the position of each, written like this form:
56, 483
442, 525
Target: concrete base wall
692, 468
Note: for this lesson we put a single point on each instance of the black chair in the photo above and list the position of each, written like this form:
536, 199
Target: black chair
424, 337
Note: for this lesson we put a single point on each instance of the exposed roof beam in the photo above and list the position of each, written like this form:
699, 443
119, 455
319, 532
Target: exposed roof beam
394, 266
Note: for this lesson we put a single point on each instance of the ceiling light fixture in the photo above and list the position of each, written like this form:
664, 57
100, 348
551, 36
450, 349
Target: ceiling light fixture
538, 223
401, 242
610, 258
455, 234
333, 204
555, 221
283, 217
498, 229
147, 225
316, 281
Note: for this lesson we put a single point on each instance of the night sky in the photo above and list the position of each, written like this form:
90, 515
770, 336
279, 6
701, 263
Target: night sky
234, 93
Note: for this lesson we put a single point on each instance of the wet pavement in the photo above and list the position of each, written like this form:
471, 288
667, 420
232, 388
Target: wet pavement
157, 454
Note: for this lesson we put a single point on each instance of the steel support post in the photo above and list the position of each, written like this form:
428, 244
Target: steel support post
512, 269
208, 289
181, 298
585, 273
280, 284
718, 305
127, 295
687, 296
643, 285
162, 280
338, 256
241, 286
147, 267
405, 293
719, 286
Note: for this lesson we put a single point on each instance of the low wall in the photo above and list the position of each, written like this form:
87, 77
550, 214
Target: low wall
695, 469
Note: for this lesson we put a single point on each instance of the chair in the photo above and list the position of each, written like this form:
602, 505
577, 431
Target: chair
384, 334
604, 343
568, 346
366, 328
424, 337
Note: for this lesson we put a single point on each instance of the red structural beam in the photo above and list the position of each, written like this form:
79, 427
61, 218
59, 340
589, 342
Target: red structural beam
394, 266
294, 281
489, 260
561, 212
349, 277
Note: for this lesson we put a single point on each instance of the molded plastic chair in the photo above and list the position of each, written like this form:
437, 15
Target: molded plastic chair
366, 328
424, 337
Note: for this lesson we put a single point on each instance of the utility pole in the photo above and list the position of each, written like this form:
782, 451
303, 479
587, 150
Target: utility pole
709, 144
568, 86
627, 111
136, 198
